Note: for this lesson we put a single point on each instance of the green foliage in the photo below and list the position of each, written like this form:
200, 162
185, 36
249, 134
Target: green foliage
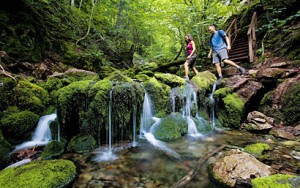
5, 149
291, 105
50, 173
171, 127
53, 149
18, 126
257, 149
204, 80
276, 181
82, 144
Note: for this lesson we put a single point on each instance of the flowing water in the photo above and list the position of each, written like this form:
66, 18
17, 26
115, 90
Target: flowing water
134, 143
107, 154
41, 135
145, 166
212, 105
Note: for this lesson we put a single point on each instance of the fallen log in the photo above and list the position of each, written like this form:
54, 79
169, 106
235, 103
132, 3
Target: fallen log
191, 174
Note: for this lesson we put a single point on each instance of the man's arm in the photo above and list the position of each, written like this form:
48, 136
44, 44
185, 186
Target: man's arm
228, 43
210, 52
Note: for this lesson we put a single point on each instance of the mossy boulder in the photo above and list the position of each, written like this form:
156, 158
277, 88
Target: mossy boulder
6, 92
72, 101
101, 86
142, 77
82, 144
232, 114
5, 149
277, 181
53, 149
49, 173
222, 92
118, 76
159, 93
203, 126
171, 127
169, 79
17, 127
204, 80
291, 105
256, 149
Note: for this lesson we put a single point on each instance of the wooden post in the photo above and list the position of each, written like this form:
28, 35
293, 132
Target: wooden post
252, 37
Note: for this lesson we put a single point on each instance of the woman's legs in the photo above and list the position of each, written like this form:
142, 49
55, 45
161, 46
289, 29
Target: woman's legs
186, 69
195, 70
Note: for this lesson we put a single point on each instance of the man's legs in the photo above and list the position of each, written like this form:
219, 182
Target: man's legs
219, 70
241, 69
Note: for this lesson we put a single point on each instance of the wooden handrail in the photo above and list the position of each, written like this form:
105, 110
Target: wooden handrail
229, 33
252, 37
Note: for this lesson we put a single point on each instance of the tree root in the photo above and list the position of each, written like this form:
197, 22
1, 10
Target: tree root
191, 174
6, 73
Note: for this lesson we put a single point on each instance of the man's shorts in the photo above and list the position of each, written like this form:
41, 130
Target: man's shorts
192, 60
220, 56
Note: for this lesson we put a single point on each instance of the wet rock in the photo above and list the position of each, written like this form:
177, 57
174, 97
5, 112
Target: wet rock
279, 65
290, 143
49, 173
252, 72
239, 168
204, 80
81, 144
258, 121
281, 133
276, 73
53, 149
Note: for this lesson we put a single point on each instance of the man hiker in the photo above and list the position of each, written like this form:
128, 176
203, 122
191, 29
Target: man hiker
220, 45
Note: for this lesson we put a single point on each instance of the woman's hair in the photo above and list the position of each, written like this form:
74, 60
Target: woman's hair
189, 37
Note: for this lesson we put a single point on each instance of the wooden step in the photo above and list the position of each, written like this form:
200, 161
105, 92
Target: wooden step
242, 58
233, 48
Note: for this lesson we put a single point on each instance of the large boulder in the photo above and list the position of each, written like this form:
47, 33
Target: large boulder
238, 168
53, 149
5, 149
204, 80
49, 173
81, 144
169, 79
17, 127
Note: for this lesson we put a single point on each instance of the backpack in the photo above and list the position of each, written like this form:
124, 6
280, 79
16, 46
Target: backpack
223, 37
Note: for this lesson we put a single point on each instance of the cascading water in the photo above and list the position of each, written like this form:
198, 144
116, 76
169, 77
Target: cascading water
148, 133
212, 105
108, 155
173, 93
41, 135
147, 115
187, 93
134, 143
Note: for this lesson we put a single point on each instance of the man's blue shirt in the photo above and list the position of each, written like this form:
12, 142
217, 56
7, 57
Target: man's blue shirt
217, 42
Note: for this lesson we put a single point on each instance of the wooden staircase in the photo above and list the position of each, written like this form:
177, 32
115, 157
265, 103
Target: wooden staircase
242, 44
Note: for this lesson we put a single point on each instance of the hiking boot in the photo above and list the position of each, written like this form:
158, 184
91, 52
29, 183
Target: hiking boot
242, 70
186, 78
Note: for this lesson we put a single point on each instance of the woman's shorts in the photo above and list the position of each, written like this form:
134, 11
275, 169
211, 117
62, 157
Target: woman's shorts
192, 60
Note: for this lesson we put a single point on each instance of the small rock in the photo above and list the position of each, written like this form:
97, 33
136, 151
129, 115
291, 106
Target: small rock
279, 65
282, 134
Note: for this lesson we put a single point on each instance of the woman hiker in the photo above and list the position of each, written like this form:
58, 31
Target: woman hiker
191, 58
220, 45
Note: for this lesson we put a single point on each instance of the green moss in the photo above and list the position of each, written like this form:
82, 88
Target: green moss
159, 94
100, 86
53, 84
233, 112
82, 144
53, 149
118, 76
222, 92
18, 126
50, 173
276, 181
5, 149
169, 79
29, 96
6, 92
142, 77
72, 101
204, 80
171, 128
202, 125
256, 149
291, 105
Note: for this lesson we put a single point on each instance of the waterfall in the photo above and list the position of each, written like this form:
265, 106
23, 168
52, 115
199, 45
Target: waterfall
187, 93
147, 132
173, 93
134, 143
108, 155
212, 105
148, 113
42, 134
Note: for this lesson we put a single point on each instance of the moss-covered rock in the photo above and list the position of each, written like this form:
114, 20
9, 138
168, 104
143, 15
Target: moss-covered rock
203, 126
142, 77
118, 76
6, 92
169, 79
100, 86
53, 149
50, 173
159, 94
17, 127
171, 128
291, 105
5, 149
29, 96
256, 149
204, 80
72, 101
233, 112
222, 92
276, 181
82, 144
